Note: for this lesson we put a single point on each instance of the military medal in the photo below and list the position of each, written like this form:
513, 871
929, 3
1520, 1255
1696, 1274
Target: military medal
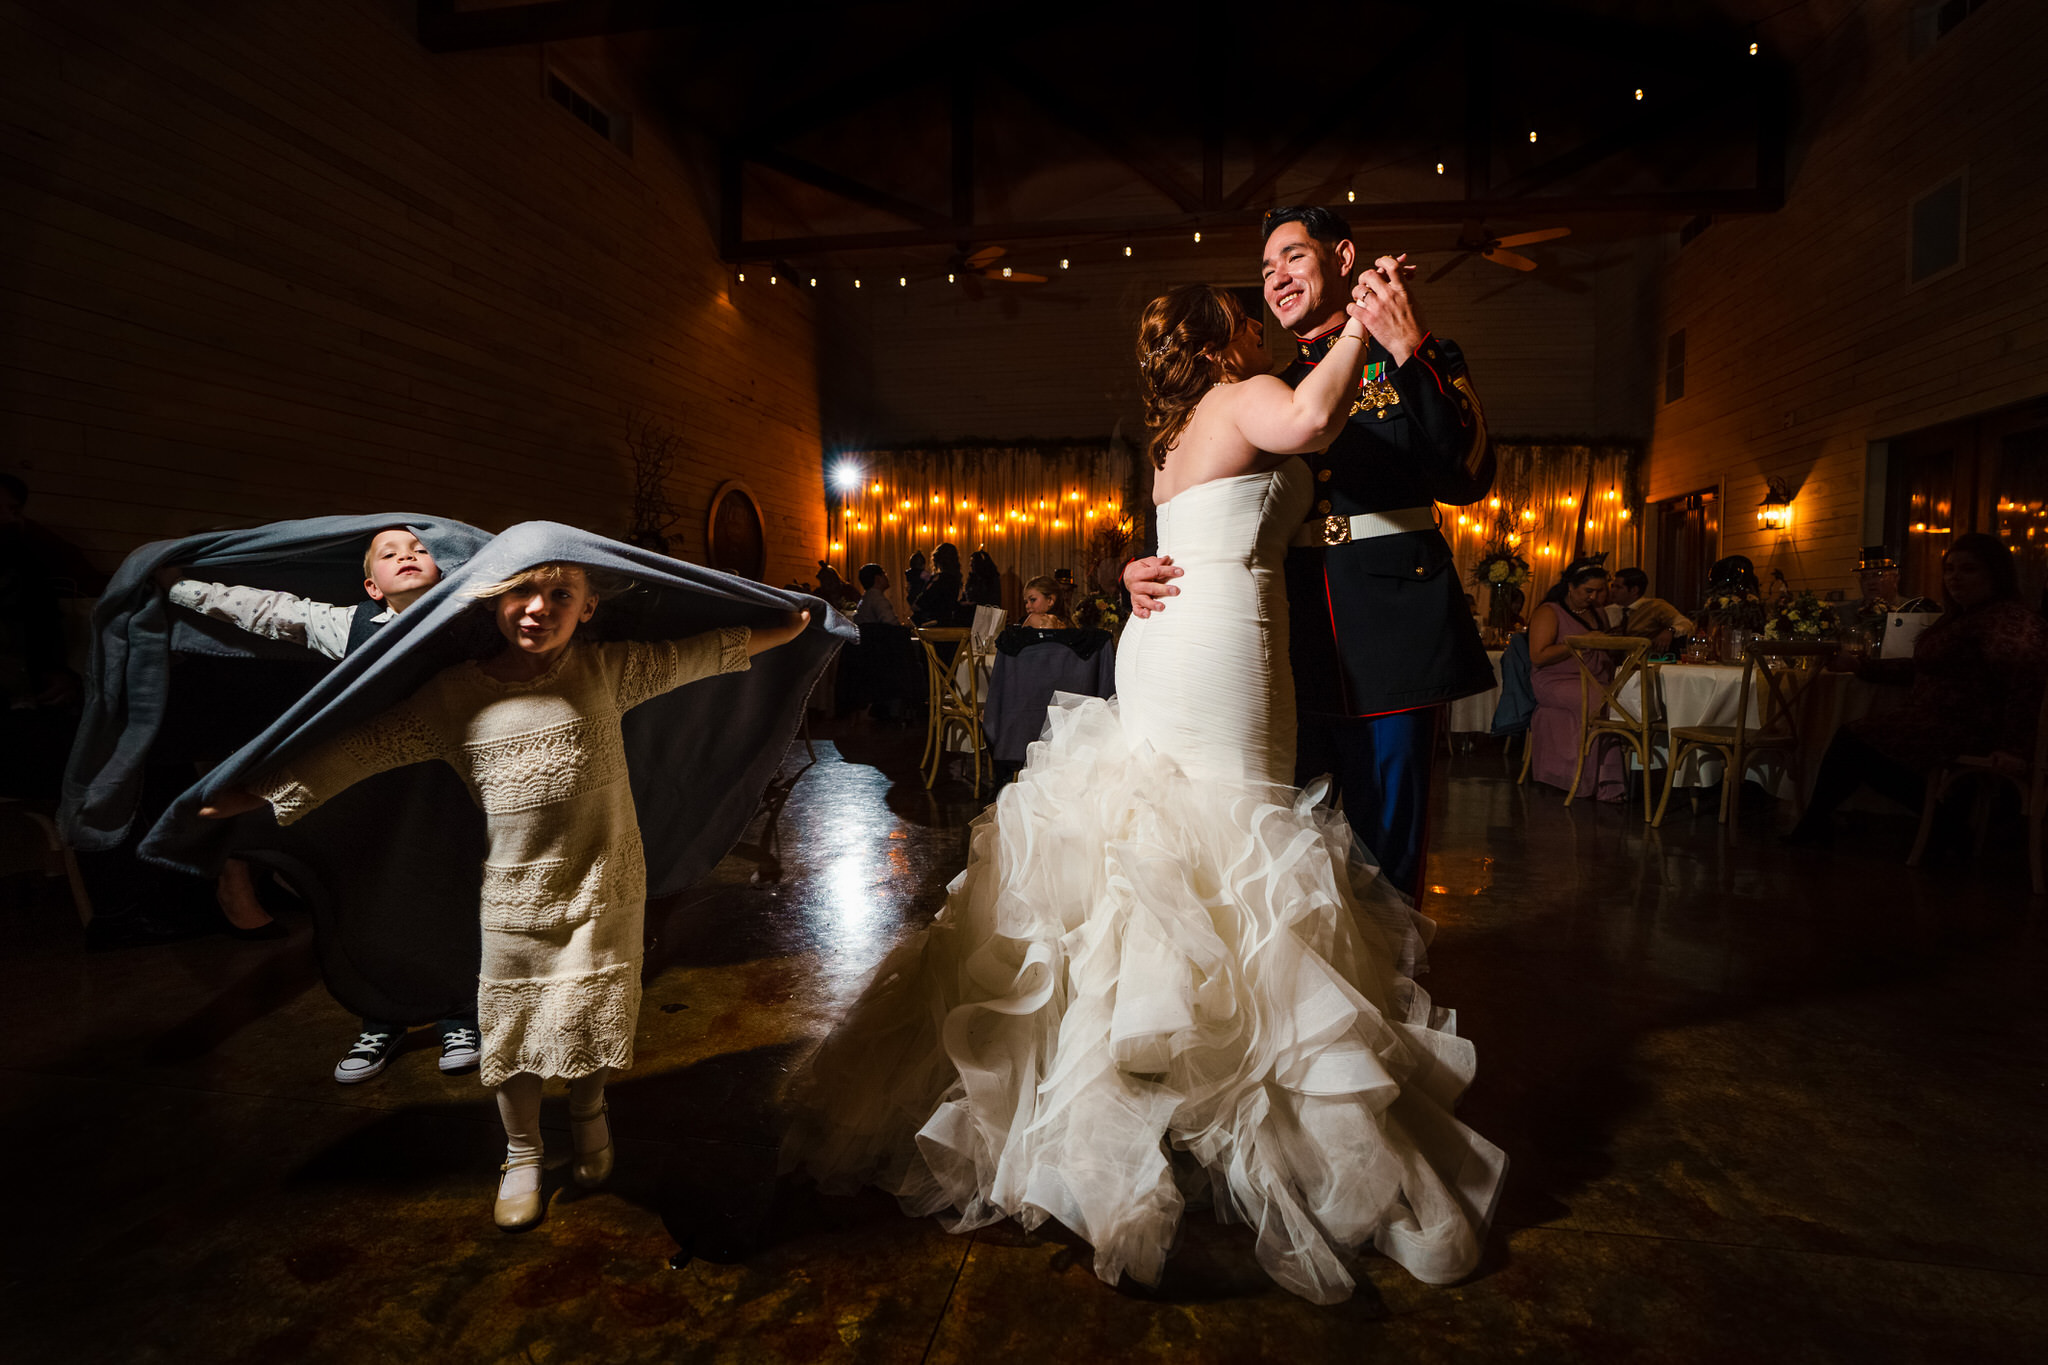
1374, 391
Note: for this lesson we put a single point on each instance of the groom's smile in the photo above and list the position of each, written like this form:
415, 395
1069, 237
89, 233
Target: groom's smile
1292, 275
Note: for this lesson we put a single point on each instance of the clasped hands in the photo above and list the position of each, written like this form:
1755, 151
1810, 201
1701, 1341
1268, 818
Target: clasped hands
1381, 304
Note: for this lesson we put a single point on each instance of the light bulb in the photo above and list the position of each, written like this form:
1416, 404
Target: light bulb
1351, 196
814, 281
771, 279
1063, 263
1639, 94
743, 277
856, 284
1198, 239
949, 278
1532, 135
1006, 272
902, 282
1752, 49
1439, 168
1127, 251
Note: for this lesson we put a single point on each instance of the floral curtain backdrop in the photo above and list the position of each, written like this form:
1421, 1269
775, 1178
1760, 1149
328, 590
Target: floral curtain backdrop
1034, 507
1541, 496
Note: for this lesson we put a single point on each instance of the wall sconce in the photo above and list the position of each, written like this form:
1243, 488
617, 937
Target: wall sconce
1774, 513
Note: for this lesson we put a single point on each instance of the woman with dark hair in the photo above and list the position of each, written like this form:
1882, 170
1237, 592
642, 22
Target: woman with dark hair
1572, 607
1163, 967
1976, 675
939, 602
984, 581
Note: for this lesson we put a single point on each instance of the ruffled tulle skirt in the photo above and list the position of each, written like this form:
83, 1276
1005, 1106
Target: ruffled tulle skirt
1148, 987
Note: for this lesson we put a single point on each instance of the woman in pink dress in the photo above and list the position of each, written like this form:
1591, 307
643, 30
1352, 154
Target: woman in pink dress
1572, 607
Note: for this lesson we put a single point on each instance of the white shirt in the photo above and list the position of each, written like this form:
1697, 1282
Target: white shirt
876, 609
320, 626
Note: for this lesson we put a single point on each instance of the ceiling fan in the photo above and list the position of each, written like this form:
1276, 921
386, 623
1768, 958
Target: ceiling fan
983, 265
1476, 242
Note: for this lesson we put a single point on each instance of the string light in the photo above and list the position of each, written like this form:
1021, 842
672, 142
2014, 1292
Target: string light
1198, 239
1351, 196
856, 284
1532, 135
1639, 93
902, 282
949, 277
1439, 168
1752, 49
771, 279
1127, 248
814, 281
1006, 272
1063, 263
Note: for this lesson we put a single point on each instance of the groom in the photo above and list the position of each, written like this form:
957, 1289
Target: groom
1381, 636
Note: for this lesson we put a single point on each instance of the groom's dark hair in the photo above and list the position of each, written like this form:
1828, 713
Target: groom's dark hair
1316, 220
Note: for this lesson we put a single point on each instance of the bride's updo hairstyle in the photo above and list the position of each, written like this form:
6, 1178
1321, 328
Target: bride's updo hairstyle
1181, 340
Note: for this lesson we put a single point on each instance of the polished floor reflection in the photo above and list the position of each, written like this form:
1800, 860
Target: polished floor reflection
1761, 1105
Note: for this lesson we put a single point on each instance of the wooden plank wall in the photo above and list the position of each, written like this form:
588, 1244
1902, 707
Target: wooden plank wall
924, 363
1805, 338
263, 261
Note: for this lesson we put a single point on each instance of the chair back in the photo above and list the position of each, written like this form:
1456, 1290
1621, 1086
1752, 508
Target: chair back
988, 623
1629, 653
1778, 673
1517, 692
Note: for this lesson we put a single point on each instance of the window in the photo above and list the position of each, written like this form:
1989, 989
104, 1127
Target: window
1932, 20
588, 112
1674, 367
1938, 231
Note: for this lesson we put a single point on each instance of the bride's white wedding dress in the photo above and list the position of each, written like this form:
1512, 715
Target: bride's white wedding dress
1164, 975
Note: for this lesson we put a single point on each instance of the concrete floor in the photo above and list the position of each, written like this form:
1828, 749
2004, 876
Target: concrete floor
1761, 1105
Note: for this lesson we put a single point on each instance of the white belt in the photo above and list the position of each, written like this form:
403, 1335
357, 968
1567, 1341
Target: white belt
1321, 532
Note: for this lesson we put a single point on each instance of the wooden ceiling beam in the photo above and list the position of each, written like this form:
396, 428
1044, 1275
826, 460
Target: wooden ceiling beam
444, 28
1345, 107
846, 187
1677, 203
1105, 134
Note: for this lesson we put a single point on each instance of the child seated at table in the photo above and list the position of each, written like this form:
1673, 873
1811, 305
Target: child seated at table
1043, 609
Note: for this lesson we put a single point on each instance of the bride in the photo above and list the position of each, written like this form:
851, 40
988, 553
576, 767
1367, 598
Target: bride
1164, 973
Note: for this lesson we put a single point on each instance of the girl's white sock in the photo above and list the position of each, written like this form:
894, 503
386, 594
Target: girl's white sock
586, 1112
519, 1111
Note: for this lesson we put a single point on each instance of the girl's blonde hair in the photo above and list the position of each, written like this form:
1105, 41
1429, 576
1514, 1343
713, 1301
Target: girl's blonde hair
1048, 585
602, 583
1181, 340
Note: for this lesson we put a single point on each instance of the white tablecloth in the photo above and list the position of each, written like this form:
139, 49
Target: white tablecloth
1706, 694
1474, 715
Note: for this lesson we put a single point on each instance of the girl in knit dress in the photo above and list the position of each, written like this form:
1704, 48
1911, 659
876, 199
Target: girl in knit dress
535, 733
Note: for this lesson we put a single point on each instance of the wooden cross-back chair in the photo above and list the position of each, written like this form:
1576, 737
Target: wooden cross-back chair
1787, 669
1635, 726
2031, 780
950, 706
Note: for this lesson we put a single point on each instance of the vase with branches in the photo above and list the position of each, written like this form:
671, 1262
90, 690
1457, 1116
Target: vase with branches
654, 448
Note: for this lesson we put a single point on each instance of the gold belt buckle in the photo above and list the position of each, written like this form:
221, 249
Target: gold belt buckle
1336, 531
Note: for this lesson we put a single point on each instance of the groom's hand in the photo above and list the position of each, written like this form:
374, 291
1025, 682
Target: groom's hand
1149, 581
1383, 303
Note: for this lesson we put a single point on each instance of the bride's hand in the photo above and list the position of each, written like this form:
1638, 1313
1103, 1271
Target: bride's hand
1149, 582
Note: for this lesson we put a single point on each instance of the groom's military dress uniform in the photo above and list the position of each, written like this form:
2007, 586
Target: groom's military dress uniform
1380, 633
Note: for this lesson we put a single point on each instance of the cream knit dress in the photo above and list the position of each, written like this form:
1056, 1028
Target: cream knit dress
564, 877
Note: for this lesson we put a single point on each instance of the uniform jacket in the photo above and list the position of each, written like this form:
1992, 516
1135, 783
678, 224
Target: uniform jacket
1381, 625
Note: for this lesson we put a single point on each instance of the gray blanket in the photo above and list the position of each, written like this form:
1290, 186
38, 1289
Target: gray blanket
392, 866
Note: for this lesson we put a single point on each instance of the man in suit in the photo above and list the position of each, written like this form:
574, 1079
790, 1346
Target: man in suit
1634, 612
1380, 633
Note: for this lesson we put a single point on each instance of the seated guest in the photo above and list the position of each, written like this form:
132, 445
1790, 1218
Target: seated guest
1976, 674
836, 591
1572, 607
875, 607
984, 581
939, 603
1634, 612
915, 576
1042, 606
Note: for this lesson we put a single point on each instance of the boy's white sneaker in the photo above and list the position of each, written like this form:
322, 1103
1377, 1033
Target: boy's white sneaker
368, 1057
461, 1047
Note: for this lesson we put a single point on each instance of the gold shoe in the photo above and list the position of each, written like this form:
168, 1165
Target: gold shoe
592, 1169
516, 1211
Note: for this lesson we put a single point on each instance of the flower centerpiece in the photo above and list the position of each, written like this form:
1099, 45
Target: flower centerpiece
1735, 606
1099, 611
1804, 617
1500, 571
